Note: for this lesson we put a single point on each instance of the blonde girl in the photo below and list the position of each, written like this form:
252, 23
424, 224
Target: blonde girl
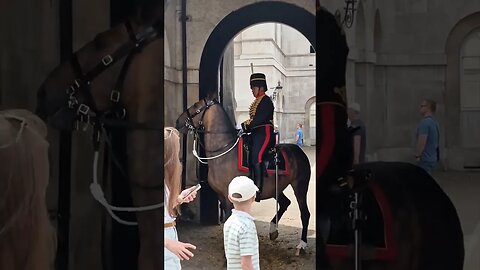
174, 249
27, 237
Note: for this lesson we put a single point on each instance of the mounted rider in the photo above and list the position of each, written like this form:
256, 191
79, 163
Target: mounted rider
260, 125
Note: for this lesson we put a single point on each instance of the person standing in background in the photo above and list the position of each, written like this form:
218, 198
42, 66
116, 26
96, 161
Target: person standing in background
427, 153
359, 133
299, 135
276, 132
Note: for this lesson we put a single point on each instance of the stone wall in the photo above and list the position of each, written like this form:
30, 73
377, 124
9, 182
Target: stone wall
403, 52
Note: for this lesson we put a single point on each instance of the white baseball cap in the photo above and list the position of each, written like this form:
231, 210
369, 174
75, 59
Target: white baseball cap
243, 188
354, 106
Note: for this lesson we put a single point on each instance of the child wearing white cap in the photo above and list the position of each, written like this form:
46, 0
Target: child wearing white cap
239, 232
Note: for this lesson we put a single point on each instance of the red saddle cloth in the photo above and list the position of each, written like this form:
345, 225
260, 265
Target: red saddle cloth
378, 244
282, 165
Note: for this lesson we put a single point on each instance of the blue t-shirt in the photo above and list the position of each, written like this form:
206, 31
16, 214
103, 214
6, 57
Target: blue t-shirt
429, 126
300, 137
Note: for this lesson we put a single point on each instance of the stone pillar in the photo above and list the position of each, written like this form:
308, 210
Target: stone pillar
229, 83
28, 51
89, 18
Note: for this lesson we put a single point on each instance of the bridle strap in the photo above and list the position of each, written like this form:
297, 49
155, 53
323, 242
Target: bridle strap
203, 110
82, 84
83, 80
135, 41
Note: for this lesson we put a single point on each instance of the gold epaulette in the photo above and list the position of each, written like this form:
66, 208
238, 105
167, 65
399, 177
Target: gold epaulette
253, 107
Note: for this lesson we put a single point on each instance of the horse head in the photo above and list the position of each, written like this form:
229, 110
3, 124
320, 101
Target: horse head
192, 118
88, 80
61, 91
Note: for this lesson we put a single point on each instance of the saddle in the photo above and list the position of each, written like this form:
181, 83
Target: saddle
377, 226
269, 159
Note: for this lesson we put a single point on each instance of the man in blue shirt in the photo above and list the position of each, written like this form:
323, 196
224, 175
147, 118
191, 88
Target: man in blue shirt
299, 135
427, 152
359, 135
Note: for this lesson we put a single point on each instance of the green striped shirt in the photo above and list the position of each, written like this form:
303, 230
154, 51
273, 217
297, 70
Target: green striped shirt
240, 239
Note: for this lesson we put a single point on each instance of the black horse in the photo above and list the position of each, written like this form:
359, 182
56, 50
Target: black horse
222, 146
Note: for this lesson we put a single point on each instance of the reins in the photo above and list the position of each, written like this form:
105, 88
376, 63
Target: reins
201, 159
97, 191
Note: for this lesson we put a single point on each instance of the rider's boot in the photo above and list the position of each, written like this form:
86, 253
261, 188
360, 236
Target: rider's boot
259, 172
251, 171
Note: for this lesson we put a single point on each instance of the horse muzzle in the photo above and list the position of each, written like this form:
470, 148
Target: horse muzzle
181, 126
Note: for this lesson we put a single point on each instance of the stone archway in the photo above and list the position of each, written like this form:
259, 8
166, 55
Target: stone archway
453, 112
213, 52
235, 22
310, 125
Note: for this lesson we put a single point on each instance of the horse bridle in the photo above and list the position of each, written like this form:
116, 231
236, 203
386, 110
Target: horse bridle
189, 121
86, 112
189, 124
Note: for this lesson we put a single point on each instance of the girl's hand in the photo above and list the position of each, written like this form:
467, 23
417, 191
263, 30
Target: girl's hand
185, 197
180, 249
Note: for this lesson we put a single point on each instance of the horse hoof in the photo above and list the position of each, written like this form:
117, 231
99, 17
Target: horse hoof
273, 235
300, 251
301, 248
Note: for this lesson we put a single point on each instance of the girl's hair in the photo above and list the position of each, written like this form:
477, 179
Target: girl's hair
27, 237
172, 168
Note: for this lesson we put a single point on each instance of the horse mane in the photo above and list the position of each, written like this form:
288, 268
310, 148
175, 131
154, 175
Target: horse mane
225, 114
150, 12
27, 237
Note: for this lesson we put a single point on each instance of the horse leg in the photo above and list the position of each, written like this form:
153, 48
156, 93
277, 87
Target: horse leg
226, 209
147, 189
283, 203
301, 195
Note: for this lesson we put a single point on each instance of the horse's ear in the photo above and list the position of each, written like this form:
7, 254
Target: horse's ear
212, 95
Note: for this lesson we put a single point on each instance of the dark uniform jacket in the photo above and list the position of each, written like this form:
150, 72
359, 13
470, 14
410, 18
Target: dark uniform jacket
260, 125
